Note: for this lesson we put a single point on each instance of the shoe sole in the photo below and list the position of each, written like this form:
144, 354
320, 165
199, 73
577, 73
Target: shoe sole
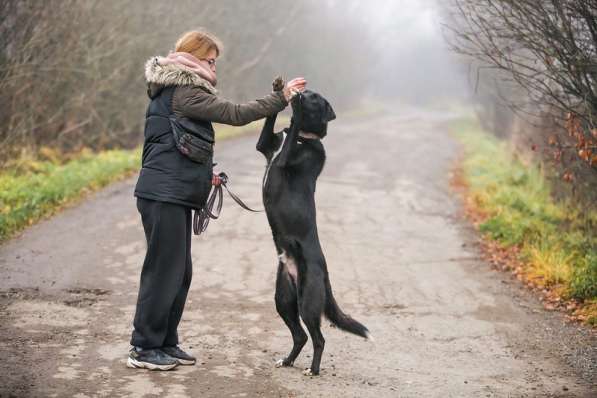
185, 362
134, 364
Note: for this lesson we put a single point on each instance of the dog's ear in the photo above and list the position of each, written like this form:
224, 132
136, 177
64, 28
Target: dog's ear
329, 113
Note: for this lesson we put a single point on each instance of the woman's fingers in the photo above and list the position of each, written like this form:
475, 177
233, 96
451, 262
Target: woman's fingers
216, 180
298, 83
293, 87
297, 79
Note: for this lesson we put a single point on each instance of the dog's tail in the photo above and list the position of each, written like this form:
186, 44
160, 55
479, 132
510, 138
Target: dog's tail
339, 318
331, 309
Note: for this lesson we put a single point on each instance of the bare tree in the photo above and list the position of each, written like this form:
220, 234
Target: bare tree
546, 48
71, 71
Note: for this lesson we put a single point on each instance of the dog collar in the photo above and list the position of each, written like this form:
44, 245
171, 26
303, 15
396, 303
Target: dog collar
308, 136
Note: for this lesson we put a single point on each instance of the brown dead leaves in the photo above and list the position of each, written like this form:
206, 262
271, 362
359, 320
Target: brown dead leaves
585, 139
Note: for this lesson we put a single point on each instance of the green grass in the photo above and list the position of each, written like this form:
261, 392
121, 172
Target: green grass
31, 189
558, 241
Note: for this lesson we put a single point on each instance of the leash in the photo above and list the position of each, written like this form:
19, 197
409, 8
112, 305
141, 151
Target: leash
202, 217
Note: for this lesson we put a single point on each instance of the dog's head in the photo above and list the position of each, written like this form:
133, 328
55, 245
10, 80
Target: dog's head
315, 112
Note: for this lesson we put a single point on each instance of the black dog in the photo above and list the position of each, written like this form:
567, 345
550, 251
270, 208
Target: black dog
293, 165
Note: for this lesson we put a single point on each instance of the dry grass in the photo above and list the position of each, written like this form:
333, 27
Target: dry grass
550, 246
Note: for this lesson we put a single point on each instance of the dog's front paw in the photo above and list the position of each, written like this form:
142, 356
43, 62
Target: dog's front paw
280, 363
309, 372
278, 84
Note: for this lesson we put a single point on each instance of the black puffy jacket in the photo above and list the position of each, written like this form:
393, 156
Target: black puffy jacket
166, 174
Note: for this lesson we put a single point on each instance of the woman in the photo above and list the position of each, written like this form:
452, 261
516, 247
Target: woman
170, 185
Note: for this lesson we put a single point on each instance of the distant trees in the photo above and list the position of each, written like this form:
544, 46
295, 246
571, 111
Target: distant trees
545, 55
69, 74
71, 71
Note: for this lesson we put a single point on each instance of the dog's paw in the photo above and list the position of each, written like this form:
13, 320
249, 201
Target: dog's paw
278, 84
309, 372
281, 363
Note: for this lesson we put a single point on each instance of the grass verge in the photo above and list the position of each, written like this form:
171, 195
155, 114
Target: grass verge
31, 189
551, 246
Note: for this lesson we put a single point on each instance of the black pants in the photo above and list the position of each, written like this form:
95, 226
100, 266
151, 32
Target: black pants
166, 274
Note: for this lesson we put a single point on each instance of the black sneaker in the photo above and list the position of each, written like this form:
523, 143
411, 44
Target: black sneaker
182, 357
153, 359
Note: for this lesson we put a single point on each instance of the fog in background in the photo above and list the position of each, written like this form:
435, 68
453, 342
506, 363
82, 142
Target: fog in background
348, 50
71, 71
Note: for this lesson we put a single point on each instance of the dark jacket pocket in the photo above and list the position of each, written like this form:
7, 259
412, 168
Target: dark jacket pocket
192, 140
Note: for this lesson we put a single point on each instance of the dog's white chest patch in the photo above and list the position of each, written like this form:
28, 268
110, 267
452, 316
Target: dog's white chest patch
289, 266
269, 165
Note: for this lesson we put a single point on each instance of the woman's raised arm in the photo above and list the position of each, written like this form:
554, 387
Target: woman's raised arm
196, 103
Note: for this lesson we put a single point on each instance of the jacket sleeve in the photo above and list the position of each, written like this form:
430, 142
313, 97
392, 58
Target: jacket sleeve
195, 103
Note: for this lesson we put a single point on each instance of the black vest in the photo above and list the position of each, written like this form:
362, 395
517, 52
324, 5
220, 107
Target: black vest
166, 174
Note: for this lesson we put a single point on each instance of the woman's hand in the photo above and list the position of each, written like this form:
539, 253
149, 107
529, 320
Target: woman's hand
216, 180
293, 87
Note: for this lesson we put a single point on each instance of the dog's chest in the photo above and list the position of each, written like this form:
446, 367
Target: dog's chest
304, 167
273, 159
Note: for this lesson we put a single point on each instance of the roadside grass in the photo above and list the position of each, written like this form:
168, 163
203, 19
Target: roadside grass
35, 187
556, 242
32, 189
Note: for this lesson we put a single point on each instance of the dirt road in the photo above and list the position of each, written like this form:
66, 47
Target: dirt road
401, 261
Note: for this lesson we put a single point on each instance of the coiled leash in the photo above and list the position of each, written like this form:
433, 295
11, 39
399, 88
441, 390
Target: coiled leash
201, 217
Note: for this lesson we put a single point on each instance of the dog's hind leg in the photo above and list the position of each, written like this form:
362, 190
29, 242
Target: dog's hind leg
311, 308
287, 307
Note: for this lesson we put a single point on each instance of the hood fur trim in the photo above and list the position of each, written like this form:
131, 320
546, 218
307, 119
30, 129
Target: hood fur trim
174, 75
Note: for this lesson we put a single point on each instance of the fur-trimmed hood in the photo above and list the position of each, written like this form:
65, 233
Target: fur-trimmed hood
159, 76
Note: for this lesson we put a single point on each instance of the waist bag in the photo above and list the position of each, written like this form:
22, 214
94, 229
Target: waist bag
192, 140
